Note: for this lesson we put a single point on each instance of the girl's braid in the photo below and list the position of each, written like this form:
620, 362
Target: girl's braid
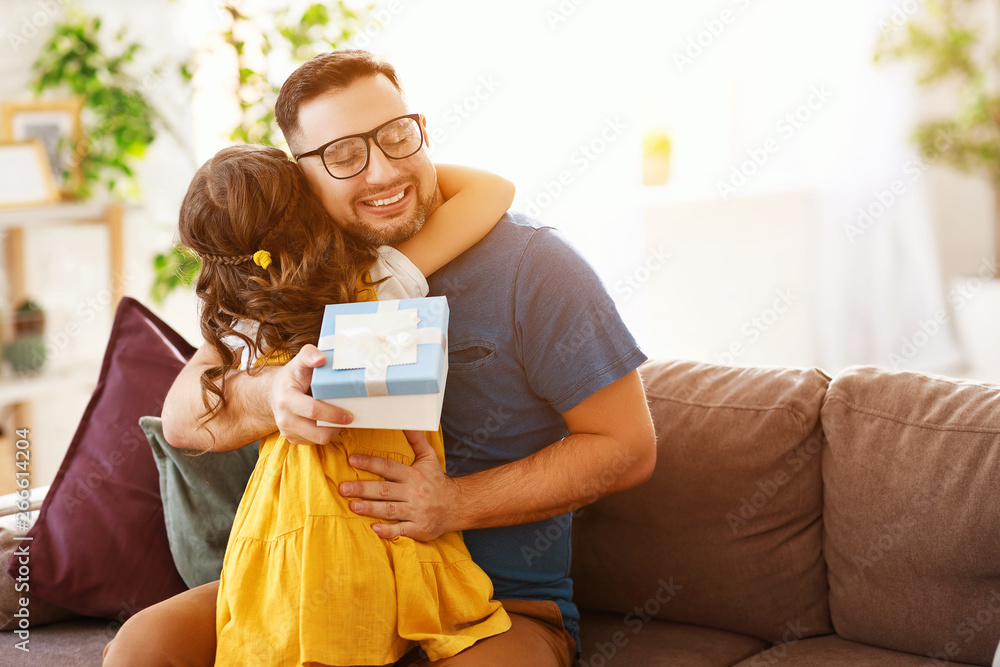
228, 260
235, 260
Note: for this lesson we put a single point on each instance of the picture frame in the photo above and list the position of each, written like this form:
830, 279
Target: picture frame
56, 122
26, 177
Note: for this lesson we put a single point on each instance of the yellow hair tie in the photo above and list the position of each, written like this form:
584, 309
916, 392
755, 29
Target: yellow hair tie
262, 258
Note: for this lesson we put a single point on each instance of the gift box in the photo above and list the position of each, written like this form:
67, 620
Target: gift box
386, 362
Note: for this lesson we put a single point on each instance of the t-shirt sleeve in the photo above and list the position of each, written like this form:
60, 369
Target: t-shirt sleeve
400, 278
237, 345
572, 339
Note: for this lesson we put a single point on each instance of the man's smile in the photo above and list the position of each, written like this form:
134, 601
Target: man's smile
390, 201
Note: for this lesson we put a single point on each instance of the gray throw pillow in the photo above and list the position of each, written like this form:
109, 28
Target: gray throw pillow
200, 495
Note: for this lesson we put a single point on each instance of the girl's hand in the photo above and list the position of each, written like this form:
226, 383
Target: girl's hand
295, 411
474, 202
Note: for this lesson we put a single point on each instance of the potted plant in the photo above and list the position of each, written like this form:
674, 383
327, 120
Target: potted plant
294, 35
119, 119
26, 352
947, 40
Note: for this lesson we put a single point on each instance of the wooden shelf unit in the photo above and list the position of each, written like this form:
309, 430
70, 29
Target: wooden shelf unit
17, 392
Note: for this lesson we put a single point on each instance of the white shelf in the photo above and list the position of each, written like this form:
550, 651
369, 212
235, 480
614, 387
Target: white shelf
50, 382
54, 214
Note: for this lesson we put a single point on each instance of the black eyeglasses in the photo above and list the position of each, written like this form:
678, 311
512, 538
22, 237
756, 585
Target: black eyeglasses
348, 156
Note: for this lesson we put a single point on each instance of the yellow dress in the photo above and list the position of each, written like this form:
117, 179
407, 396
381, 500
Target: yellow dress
305, 579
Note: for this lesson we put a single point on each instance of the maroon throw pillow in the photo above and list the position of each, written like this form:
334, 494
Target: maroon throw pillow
99, 546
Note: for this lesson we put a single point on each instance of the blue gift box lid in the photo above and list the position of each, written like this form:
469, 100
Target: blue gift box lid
426, 376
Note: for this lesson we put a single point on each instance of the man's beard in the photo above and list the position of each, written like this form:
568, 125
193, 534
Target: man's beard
401, 229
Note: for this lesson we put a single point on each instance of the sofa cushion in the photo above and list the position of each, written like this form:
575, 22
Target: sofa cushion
912, 512
613, 640
201, 492
833, 650
99, 546
77, 643
730, 523
12, 592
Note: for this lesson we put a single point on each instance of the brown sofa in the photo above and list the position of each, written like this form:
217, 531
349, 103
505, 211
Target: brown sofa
800, 521
791, 520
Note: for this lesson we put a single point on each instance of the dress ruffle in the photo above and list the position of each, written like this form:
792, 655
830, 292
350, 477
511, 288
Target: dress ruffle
307, 580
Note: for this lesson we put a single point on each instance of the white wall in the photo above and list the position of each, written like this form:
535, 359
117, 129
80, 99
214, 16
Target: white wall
521, 87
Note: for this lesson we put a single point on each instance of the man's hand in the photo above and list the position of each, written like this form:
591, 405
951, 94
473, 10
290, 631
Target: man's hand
295, 411
420, 497
611, 430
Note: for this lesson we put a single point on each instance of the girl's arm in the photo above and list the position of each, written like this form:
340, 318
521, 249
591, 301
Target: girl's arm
474, 201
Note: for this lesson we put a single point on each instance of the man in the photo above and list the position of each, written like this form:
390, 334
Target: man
543, 396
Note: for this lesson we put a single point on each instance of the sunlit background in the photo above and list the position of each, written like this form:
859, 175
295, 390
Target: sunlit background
797, 224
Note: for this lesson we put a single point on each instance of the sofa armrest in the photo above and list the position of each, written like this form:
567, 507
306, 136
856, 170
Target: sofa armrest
8, 502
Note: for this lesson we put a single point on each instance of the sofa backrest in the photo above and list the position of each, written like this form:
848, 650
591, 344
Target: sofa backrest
912, 512
728, 531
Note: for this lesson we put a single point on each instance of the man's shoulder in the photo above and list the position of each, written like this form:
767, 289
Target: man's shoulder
500, 248
525, 236
516, 228
518, 244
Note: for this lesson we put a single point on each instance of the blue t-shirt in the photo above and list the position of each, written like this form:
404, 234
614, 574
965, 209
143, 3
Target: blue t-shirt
532, 333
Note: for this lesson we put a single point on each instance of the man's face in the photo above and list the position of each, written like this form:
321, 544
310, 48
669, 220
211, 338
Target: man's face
358, 204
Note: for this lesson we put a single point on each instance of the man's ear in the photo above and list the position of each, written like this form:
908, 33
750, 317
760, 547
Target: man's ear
294, 142
309, 183
427, 136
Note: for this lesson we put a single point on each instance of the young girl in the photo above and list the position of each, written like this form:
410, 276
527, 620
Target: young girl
306, 581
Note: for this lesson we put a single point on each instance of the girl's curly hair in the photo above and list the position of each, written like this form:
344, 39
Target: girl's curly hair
251, 198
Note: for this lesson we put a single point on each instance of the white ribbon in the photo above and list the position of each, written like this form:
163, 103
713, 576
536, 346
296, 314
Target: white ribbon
375, 341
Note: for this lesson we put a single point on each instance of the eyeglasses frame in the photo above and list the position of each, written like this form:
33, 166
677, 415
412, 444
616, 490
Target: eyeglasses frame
368, 151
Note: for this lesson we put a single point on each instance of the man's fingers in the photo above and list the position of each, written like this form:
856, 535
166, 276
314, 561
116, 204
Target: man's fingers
391, 530
377, 490
419, 443
390, 470
378, 510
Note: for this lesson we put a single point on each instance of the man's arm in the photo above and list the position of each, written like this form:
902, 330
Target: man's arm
274, 399
611, 447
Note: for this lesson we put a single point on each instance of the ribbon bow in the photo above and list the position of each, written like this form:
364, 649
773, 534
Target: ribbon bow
375, 341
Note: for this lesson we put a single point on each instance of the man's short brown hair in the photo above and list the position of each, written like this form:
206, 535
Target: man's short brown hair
324, 73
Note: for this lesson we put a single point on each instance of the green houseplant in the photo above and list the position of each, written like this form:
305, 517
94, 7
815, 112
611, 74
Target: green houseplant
26, 352
119, 121
284, 34
947, 40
